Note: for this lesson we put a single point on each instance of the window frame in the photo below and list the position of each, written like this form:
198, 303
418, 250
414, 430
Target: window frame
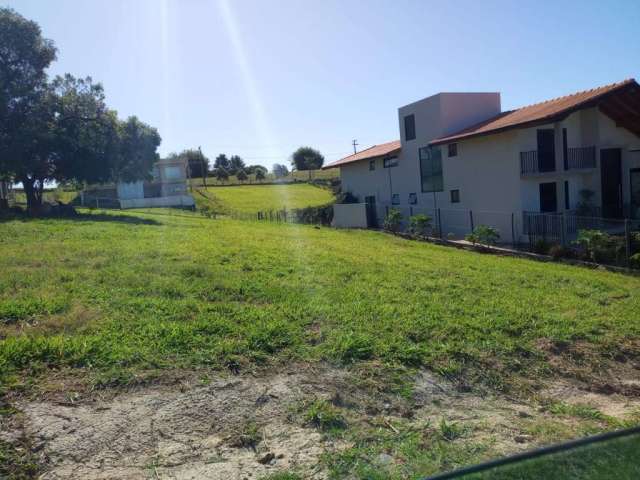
395, 199
452, 149
455, 195
412, 129
440, 187
413, 198
390, 162
372, 165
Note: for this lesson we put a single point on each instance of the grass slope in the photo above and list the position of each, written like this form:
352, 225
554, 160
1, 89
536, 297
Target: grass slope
118, 292
254, 198
300, 176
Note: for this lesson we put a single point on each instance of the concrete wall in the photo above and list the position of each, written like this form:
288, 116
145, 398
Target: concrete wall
128, 191
349, 215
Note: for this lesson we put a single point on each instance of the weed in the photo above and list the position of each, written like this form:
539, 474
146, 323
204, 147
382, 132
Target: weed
324, 416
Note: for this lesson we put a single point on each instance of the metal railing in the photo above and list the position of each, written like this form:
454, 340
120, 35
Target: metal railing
529, 162
581, 158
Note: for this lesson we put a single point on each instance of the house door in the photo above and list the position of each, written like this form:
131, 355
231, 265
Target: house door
635, 193
546, 150
372, 218
548, 197
611, 182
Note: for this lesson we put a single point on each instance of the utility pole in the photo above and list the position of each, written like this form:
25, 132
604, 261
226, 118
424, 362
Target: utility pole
204, 168
355, 144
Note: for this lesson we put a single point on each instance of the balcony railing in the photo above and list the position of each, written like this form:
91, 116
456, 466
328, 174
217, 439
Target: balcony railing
532, 163
581, 158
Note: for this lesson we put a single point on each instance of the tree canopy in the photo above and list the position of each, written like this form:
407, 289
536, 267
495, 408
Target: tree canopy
62, 129
307, 158
279, 170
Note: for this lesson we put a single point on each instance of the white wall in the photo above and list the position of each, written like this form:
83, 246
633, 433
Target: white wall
173, 201
349, 215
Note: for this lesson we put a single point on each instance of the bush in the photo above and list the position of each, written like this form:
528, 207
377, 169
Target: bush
324, 416
599, 246
419, 225
634, 261
393, 221
558, 251
541, 247
484, 235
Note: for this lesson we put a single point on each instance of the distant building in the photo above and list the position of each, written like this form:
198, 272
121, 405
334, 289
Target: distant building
168, 187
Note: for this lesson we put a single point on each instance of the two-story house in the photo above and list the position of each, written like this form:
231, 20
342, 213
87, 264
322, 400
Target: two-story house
459, 152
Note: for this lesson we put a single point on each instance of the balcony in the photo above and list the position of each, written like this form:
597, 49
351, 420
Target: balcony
533, 163
580, 158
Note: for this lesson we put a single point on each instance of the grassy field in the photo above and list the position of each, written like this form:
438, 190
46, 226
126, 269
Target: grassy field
300, 176
110, 295
254, 198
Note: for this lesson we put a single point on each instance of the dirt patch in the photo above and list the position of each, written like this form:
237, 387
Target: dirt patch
249, 426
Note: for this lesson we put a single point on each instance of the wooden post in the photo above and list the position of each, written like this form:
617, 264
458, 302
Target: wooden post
563, 230
471, 220
627, 239
439, 223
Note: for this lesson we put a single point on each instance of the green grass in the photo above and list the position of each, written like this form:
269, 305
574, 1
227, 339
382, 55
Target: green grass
302, 176
254, 198
57, 195
102, 292
614, 459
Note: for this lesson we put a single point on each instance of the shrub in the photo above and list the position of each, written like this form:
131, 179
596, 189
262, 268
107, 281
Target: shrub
419, 225
484, 235
324, 416
634, 261
599, 246
541, 247
558, 251
393, 221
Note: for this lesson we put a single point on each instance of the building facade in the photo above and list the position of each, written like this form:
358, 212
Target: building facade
459, 153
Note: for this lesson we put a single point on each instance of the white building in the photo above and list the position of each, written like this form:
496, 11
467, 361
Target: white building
167, 188
461, 155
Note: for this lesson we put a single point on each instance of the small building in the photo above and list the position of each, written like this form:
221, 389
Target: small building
167, 188
464, 161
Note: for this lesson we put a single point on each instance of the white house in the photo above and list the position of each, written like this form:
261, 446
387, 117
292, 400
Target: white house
459, 154
167, 188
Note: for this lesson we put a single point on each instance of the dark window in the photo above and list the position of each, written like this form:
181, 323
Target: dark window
431, 169
548, 197
455, 196
395, 199
390, 162
372, 164
413, 199
546, 150
567, 204
409, 127
453, 149
565, 149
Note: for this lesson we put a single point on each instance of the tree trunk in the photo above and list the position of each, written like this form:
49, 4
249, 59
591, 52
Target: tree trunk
33, 191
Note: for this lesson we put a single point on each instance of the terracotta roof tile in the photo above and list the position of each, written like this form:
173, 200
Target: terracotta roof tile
376, 151
537, 113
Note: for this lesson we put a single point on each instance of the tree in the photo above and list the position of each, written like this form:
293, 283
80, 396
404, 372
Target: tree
279, 170
221, 161
60, 130
242, 175
221, 174
307, 158
260, 174
235, 165
196, 161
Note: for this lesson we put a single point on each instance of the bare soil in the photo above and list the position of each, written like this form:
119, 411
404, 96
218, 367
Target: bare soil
248, 426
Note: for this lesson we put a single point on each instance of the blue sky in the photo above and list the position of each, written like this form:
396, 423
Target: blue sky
259, 78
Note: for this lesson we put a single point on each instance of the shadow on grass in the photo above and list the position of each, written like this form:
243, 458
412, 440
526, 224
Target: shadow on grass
81, 217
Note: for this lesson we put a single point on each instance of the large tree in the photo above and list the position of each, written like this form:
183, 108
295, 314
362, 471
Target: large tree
235, 165
60, 130
279, 170
307, 158
221, 161
197, 162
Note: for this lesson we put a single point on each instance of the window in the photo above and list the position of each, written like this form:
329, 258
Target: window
455, 196
390, 162
409, 127
395, 199
173, 173
453, 149
565, 149
566, 195
546, 150
372, 165
548, 197
413, 199
431, 169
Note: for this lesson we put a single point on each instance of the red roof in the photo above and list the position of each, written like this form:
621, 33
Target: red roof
617, 108
382, 150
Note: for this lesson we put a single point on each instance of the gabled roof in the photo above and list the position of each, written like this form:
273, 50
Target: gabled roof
620, 101
382, 150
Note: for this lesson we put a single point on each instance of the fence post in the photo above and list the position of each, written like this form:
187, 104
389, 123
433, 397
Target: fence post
439, 223
471, 220
513, 229
563, 230
627, 239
